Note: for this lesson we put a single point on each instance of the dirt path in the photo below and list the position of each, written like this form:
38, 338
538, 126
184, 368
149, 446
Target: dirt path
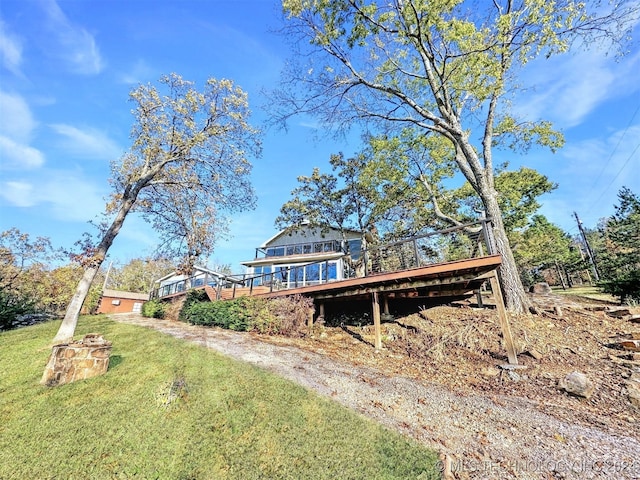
486, 436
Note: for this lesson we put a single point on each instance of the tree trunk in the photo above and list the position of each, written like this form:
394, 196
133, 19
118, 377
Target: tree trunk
515, 297
68, 326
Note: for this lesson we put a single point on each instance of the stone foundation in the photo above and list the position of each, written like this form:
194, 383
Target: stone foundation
79, 360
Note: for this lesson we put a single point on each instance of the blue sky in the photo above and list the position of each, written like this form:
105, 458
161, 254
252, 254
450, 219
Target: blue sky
68, 66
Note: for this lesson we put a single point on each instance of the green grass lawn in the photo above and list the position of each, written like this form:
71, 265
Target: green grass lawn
231, 421
587, 291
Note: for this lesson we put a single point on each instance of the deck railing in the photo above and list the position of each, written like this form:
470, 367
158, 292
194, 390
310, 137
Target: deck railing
464, 241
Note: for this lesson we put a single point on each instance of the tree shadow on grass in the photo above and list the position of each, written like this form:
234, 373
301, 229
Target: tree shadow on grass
114, 361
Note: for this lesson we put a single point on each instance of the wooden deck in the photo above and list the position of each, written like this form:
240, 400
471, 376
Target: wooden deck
450, 279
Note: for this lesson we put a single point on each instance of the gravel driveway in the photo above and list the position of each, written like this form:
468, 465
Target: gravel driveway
485, 437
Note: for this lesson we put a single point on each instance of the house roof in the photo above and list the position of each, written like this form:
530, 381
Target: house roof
304, 226
195, 268
124, 295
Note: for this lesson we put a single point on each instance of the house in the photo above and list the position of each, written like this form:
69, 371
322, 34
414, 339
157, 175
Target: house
305, 256
114, 301
175, 282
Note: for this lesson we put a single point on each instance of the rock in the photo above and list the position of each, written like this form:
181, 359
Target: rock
541, 288
489, 372
633, 345
634, 318
534, 353
513, 376
577, 383
596, 308
509, 366
618, 312
633, 390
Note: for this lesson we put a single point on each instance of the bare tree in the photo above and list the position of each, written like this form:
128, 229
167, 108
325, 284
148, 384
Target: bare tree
189, 154
445, 67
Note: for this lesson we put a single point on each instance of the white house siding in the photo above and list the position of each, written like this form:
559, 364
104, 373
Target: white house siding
302, 258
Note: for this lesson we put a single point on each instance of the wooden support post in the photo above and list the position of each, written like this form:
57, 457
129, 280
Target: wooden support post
376, 320
504, 320
312, 312
479, 297
385, 305
321, 311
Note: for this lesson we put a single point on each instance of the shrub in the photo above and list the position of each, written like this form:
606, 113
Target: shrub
284, 316
625, 286
153, 309
193, 296
12, 306
291, 314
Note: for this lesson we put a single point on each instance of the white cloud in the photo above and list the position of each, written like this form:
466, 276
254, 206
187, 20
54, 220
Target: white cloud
15, 156
72, 43
567, 88
89, 142
10, 50
16, 120
139, 73
602, 159
590, 174
16, 129
69, 196
19, 194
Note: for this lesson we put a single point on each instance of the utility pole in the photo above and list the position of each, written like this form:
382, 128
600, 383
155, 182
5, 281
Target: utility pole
106, 277
589, 251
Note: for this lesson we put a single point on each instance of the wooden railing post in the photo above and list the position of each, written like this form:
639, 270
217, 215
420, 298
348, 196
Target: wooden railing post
376, 320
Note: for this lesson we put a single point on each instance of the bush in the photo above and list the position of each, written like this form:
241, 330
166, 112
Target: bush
230, 314
291, 314
153, 309
284, 316
193, 296
12, 306
626, 287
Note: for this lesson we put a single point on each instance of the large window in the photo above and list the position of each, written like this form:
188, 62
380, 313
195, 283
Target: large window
304, 248
275, 252
355, 248
290, 276
263, 275
312, 273
330, 271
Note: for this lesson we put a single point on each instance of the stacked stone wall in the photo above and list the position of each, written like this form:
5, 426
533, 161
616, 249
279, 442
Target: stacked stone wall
75, 361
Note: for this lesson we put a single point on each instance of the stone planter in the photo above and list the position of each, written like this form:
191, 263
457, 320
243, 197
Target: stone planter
79, 360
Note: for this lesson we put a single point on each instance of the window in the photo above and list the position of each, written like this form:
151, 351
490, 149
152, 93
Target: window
262, 275
355, 248
296, 275
312, 273
330, 271
306, 248
281, 274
